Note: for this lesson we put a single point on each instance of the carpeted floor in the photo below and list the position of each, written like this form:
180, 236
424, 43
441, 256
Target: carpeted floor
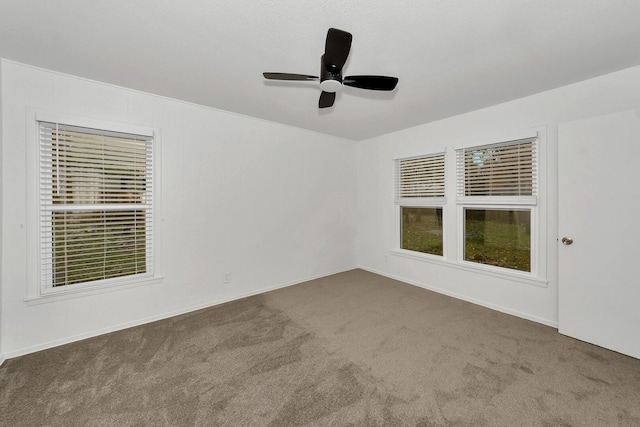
353, 349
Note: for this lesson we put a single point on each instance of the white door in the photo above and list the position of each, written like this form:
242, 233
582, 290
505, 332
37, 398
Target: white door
599, 208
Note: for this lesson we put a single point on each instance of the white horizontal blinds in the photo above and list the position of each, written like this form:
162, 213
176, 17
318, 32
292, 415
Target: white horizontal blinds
420, 177
95, 204
505, 169
88, 167
96, 245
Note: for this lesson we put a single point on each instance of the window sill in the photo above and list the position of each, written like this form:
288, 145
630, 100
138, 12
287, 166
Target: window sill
77, 292
473, 267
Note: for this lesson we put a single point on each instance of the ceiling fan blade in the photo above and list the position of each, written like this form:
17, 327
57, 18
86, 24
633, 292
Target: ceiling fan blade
371, 82
326, 99
337, 49
288, 76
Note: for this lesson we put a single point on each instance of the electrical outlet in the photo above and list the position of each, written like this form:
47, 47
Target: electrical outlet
227, 277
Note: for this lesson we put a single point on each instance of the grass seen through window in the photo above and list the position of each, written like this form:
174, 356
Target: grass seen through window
498, 237
422, 230
90, 246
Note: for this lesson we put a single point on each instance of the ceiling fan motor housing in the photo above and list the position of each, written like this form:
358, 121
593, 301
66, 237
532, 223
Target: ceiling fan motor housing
330, 81
336, 52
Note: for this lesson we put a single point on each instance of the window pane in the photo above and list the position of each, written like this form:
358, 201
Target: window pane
420, 177
505, 169
90, 246
97, 169
421, 230
95, 205
498, 237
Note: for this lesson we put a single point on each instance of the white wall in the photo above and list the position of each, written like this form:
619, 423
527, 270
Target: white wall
613, 92
270, 204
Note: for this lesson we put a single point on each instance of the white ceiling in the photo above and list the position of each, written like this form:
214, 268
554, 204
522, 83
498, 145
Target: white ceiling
451, 56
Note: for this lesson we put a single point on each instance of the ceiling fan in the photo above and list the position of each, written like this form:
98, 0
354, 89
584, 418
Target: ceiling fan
336, 51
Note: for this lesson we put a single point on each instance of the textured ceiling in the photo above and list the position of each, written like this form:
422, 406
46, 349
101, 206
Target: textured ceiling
451, 56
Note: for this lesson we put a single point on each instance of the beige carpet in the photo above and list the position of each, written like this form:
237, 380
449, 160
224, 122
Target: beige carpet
353, 349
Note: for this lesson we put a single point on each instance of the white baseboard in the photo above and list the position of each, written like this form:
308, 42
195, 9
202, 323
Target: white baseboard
126, 325
121, 326
495, 307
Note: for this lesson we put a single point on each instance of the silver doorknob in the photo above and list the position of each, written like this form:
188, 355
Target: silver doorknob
567, 241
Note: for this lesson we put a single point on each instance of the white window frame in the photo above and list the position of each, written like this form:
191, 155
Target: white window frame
438, 202
531, 203
453, 222
502, 206
36, 291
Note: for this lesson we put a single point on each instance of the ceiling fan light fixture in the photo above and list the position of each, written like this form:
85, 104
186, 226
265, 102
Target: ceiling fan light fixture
336, 52
330, 85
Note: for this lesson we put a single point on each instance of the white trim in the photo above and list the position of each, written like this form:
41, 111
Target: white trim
442, 152
2, 359
75, 291
78, 337
421, 202
498, 200
551, 323
92, 123
487, 270
500, 139
420, 256
115, 207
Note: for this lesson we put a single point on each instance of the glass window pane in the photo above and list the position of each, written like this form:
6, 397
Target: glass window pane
506, 169
97, 245
421, 230
90, 168
80, 169
498, 237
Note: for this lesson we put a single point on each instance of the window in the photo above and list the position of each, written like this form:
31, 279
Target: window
420, 199
500, 237
497, 199
95, 206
